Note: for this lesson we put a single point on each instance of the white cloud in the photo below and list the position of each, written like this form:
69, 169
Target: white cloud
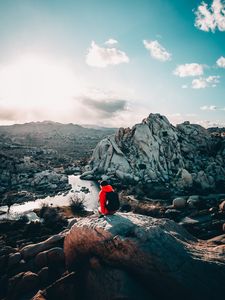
210, 107
102, 57
111, 42
178, 118
221, 62
184, 86
211, 17
201, 83
194, 119
192, 69
207, 123
157, 51
213, 79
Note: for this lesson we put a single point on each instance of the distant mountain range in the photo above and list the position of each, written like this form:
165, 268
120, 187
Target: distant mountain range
70, 139
47, 127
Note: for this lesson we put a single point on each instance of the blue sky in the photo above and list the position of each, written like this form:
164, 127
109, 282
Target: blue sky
112, 62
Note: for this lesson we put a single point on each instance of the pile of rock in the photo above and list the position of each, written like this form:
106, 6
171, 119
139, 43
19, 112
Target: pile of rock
202, 216
24, 271
205, 216
28, 176
50, 181
183, 158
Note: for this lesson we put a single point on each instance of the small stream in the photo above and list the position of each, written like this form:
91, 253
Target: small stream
90, 200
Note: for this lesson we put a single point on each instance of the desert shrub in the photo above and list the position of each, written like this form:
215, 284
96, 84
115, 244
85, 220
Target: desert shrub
33, 229
125, 207
77, 204
22, 220
8, 201
52, 217
43, 210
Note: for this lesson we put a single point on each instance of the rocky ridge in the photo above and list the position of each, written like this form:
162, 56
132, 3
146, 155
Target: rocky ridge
182, 158
68, 141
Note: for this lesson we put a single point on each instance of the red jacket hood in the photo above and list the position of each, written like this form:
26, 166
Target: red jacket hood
107, 188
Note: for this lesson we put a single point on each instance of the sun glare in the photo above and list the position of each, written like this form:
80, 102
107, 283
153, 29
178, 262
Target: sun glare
35, 82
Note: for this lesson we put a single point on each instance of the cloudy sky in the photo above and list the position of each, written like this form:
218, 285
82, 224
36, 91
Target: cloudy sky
112, 62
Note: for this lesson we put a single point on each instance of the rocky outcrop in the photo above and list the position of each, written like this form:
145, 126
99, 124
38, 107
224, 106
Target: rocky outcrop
139, 257
23, 283
23, 271
33, 249
63, 288
24, 175
182, 158
132, 256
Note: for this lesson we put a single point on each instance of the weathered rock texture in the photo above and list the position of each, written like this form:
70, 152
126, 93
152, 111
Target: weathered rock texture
24, 174
184, 157
128, 256
23, 271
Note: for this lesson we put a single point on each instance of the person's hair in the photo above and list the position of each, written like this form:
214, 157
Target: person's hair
104, 183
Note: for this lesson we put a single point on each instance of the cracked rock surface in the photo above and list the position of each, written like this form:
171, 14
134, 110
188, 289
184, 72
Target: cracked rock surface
139, 257
184, 157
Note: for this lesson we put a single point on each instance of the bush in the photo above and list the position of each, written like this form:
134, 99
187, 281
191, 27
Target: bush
77, 204
44, 209
20, 223
33, 229
52, 217
23, 219
126, 208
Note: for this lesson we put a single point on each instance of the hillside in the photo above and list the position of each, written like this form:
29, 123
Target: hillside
67, 139
34, 155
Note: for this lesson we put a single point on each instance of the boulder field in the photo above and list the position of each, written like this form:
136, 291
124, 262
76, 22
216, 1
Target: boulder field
155, 153
22, 179
124, 256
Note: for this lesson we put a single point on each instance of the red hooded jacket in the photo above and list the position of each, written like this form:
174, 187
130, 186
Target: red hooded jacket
102, 199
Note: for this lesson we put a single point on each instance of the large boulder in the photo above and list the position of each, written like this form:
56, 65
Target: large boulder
32, 250
139, 257
63, 288
179, 202
23, 284
51, 258
185, 157
222, 206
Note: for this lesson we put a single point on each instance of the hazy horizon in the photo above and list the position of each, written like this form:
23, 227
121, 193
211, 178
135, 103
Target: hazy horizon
105, 126
112, 63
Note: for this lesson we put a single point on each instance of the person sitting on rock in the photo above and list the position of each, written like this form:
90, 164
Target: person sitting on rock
108, 198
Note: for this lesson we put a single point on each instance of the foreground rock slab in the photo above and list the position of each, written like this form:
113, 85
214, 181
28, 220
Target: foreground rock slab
139, 257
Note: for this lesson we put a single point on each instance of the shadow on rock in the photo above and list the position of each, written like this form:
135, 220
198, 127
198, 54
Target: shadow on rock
127, 256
